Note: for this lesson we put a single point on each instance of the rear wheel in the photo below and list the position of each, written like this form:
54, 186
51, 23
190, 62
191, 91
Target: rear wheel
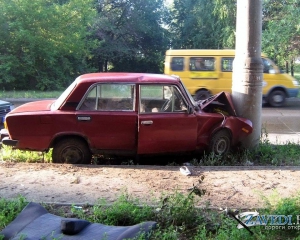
72, 151
220, 142
202, 95
277, 98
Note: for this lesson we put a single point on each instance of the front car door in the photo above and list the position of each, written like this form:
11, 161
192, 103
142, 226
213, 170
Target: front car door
164, 125
106, 116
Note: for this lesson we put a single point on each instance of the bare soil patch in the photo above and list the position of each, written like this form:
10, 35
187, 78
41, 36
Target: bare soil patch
234, 187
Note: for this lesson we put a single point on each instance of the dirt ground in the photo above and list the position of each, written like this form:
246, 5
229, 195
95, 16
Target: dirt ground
233, 187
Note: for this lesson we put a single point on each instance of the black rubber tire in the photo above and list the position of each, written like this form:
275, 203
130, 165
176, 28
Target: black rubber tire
71, 151
277, 98
202, 95
220, 142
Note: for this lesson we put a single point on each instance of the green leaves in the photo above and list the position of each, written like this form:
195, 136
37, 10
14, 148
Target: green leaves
203, 24
131, 34
44, 42
281, 30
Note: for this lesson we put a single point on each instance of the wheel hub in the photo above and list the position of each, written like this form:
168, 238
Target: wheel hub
221, 146
72, 155
278, 98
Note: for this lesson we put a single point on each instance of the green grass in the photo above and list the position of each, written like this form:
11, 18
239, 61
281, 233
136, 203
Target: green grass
29, 94
177, 217
15, 155
10, 209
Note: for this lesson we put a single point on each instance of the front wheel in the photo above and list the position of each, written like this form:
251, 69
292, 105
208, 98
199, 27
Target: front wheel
220, 142
277, 98
72, 151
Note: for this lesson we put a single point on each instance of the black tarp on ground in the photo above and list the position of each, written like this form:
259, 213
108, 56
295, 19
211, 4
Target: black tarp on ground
34, 222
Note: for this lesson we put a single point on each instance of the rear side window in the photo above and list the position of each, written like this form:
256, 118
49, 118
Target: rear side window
109, 97
177, 64
202, 64
227, 64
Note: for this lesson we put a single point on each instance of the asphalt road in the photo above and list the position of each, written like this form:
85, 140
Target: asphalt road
282, 120
283, 124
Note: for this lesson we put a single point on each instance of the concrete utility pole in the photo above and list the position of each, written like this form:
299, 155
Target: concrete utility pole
247, 69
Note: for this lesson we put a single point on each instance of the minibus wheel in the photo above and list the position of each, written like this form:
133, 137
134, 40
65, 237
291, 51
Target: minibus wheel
202, 95
277, 98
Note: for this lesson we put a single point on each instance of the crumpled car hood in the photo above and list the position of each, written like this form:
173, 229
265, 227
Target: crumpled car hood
221, 103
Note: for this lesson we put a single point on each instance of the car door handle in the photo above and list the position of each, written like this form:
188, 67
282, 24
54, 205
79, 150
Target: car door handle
149, 122
84, 118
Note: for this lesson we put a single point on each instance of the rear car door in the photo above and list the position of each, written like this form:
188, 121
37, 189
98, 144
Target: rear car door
164, 125
106, 116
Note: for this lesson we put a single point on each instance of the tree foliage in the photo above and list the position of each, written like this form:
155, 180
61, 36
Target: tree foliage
42, 41
210, 24
281, 29
131, 34
44, 44
203, 24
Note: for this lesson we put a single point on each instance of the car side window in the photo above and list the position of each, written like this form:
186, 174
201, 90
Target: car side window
161, 98
109, 97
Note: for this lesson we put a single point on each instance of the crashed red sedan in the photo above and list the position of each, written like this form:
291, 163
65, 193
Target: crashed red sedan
125, 114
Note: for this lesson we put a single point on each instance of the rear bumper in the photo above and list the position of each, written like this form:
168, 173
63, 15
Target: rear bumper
5, 138
3, 133
9, 142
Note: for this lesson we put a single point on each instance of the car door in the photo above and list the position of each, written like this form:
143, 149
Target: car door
164, 125
106, 116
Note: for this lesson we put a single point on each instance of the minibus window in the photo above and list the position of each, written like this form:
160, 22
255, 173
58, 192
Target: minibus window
202, 64
227, 64
268, 66
177, 64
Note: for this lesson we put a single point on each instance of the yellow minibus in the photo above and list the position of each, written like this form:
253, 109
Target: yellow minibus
207, 72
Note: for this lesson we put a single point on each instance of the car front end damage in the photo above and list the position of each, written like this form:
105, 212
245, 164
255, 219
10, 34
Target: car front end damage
238, 127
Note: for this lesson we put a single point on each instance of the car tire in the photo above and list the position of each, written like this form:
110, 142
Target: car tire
220, 142
71, 151
202, 95
277, 98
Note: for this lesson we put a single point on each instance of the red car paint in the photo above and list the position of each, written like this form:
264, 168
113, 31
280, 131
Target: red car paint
40, 125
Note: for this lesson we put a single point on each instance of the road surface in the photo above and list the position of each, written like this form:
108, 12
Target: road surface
282, 124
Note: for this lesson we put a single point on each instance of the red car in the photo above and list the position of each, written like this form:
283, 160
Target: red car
125, 114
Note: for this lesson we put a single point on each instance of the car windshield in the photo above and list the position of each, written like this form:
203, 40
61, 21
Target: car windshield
63, 96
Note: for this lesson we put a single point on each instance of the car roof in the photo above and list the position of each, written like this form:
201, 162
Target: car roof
126, 77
